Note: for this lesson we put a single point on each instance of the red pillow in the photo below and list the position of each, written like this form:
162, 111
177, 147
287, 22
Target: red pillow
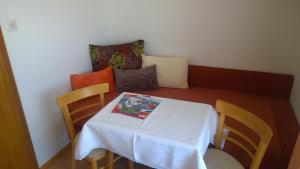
88, 79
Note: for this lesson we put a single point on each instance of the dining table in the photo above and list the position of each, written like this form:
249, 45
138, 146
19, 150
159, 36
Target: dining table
175, 135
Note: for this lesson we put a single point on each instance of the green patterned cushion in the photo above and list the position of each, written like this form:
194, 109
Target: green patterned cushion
123, 56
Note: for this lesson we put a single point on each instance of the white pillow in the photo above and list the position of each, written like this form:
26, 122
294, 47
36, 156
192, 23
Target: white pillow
171, 71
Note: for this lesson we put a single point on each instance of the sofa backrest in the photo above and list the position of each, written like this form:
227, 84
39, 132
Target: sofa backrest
252, 82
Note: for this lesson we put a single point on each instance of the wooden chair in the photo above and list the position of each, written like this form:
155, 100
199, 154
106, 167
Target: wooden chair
294, 161
218, 159
74, 96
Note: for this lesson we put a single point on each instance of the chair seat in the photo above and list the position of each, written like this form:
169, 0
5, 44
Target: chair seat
217, 159
95, 154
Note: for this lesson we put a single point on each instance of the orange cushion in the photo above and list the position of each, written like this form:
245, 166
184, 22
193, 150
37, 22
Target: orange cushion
87, 79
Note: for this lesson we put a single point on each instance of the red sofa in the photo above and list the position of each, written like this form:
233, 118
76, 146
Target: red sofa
264, 94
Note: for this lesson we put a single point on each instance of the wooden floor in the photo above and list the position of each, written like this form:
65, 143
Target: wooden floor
64, 162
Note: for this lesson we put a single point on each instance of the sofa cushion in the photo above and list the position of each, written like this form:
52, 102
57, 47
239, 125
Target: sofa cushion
259, 105
92, 78
123, 56
171, 71
136, 80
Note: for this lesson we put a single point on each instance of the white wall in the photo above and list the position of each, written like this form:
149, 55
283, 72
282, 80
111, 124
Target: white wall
53, 37
232, 33
295, 100
253, 35
292, 45
296, 92
51, 42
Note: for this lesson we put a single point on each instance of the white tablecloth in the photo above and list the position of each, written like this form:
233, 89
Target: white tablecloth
174, 136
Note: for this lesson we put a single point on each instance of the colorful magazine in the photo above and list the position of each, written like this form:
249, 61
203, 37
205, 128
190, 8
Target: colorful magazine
139, 106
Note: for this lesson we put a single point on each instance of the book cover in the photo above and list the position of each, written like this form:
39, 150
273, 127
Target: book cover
139, 106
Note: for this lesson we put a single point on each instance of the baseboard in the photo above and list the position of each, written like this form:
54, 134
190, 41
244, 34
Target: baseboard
56, 156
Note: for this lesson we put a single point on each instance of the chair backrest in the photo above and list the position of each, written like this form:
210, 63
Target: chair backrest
76, 95
258, 126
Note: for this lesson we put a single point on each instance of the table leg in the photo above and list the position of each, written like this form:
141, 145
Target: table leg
94, 164
130, 164
110, 160
73, 164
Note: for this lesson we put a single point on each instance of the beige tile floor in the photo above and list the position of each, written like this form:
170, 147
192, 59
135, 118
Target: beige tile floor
64, 162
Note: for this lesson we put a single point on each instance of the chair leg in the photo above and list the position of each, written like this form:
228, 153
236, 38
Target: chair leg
94, 164
130, 164
73, 161
110, 156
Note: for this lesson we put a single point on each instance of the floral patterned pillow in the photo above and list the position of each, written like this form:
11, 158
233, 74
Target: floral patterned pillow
123, 56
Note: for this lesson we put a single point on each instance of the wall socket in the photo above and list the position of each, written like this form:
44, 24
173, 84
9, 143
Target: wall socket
11, 25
